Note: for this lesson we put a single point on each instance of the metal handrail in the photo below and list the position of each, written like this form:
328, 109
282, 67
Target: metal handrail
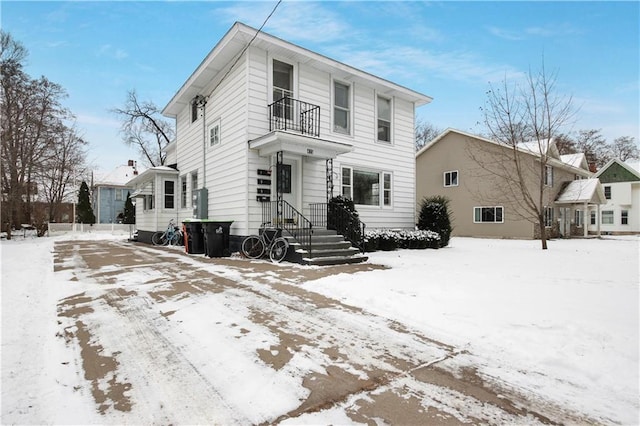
282, 215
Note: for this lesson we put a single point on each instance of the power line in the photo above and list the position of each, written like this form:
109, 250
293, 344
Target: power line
246, 47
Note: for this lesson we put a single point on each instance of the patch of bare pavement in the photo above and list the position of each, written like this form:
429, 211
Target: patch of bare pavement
137, 360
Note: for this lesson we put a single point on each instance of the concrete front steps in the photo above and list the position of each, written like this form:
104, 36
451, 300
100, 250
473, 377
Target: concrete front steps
327, 248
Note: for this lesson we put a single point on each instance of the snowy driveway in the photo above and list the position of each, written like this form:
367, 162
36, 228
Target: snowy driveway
156, 336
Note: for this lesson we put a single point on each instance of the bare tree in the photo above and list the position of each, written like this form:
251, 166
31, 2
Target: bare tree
31, 115
425, 133
144, 127
594, 146
624, 148
522, 119
62, 164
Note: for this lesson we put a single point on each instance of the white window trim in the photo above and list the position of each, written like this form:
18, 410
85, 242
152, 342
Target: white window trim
391, 105
294, 89
381, 175
351, 87
578, 218
548, 180
602, 214
487, 207
194, 188
444, 178
212, 125
164, 194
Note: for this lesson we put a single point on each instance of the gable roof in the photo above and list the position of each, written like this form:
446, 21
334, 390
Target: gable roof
530, 148
117, 177
627, 165
578, 160
582, 191
234, 43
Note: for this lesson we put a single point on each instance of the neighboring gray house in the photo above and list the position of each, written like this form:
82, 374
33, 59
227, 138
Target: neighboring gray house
267, 132
110, 193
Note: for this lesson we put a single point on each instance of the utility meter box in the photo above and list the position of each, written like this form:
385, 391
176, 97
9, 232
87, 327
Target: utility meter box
200, 203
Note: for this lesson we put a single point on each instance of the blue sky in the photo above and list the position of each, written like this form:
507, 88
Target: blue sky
448, 50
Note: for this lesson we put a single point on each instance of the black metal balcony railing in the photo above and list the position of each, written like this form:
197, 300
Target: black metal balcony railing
292, 114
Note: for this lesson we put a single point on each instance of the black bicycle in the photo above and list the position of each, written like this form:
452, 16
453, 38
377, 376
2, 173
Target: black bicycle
269, 241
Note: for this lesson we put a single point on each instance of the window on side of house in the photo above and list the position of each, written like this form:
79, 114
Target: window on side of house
607, 192
488, 215
624, 217
548, 175
169, 194
118, 194
194, 111
194, 187
347, 188
384, 119
451, 178
183, 192
214, 133
579, 218
593, 217
386, 188
341, 108
607, 217
364, 187
548, 216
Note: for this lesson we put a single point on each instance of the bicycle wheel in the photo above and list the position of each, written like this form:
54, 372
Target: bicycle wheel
253, 247
159, 239
176, 239
279, 250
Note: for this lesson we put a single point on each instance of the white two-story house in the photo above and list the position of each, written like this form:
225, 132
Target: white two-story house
621, 213
268, 132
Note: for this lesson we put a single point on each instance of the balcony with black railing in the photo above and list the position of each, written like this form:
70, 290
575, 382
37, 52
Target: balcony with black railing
294, 115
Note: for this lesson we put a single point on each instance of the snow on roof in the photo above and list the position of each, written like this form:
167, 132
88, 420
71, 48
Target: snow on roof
118, 177
574, 160
634, 164
582, 191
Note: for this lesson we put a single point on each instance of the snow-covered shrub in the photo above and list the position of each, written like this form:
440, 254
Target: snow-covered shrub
386, 239
434, 216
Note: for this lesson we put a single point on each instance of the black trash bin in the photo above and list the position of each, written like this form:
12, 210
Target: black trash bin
195, 239
216, 238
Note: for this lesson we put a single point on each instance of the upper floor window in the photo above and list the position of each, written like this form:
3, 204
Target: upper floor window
607, 192
341, 108
488, 215
214, 133
384, 119
548, 175
451, 178
366, 187
169, 194
194, 111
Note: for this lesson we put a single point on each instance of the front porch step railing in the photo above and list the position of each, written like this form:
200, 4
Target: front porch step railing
309, 244
341, 220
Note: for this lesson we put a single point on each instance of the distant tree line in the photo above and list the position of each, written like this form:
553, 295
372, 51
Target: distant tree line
41, 149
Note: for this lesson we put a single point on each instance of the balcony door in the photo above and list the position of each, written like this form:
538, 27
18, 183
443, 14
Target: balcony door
282, 88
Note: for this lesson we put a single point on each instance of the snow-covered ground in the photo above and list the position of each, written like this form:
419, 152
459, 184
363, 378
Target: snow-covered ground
563, 323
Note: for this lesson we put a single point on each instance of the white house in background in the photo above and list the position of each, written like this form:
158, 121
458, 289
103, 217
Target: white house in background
110, 192
268, 131
621, 182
